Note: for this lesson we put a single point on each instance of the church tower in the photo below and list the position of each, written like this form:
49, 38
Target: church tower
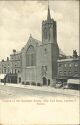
49, 33
50, 46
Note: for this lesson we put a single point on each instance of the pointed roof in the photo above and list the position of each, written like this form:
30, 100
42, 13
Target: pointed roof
48, 15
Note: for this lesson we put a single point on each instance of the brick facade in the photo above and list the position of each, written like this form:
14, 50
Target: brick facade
69, 68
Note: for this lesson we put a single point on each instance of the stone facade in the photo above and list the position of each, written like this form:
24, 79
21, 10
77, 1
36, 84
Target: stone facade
39, 59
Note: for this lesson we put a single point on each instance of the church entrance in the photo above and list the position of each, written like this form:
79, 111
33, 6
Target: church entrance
44, 81
19, 79
48, 82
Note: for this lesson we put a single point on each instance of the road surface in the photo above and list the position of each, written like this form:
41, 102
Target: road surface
22, 106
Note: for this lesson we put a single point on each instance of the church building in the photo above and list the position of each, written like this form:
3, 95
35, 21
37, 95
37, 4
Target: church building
39, 59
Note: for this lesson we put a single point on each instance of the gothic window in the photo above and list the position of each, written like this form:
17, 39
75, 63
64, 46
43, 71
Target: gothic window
44, 70
45, 33
30, 56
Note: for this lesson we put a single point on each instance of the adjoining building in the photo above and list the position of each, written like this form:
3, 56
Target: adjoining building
5, 66
15, 60
4, 69
69, 68
10, 69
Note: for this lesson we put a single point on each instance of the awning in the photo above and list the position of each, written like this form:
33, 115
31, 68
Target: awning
2, 76
73, 81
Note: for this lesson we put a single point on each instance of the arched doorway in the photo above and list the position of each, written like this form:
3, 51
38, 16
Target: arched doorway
44, 81
48, 82
19, 79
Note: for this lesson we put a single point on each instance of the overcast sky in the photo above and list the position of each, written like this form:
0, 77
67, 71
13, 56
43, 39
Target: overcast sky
19, 19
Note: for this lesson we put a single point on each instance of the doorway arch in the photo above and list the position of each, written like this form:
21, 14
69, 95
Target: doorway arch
44, 81
48, 82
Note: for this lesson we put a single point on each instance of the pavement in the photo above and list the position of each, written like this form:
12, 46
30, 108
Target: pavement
47, 89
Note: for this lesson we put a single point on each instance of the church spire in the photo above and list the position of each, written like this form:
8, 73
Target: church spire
48, 16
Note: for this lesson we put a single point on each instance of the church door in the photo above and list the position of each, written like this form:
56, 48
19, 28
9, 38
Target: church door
19, 79
44, 81
48, 82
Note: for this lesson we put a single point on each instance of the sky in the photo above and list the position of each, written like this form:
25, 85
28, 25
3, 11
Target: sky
19, 19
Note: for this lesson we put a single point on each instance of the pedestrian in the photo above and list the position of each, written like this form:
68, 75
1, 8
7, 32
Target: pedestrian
4, 82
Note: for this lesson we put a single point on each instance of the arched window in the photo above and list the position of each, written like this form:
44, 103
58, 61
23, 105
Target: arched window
30, 56
45, 33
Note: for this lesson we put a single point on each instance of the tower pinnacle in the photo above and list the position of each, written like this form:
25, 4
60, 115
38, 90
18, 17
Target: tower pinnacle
48, 16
